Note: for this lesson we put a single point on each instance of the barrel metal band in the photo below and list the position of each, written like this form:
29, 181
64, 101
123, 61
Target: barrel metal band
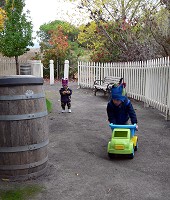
23, 148
25, 166
25, 176
22, 117
22, 97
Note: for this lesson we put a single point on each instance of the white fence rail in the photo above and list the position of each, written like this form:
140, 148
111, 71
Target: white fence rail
147, 81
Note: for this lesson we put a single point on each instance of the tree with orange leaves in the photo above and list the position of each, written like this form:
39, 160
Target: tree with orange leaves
59, 42
57, 48
2, 18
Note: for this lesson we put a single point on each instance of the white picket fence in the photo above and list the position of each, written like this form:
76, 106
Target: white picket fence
147, 81
8, 66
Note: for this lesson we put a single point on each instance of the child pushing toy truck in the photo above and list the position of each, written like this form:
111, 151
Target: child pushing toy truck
119, 111
119, 108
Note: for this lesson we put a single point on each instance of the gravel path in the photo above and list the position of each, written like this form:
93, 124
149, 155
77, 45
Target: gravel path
79, 168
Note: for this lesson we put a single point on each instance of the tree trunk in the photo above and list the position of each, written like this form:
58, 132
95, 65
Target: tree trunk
17, 65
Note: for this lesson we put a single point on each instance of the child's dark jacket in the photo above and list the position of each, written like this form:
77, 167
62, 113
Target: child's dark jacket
65, 97
120, 114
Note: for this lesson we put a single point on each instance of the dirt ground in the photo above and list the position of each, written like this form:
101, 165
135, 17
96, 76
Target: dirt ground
78, 166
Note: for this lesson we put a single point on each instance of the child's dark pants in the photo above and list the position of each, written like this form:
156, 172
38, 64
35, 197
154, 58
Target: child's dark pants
63, 105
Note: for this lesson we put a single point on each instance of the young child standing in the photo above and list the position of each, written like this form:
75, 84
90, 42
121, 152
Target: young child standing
65, 93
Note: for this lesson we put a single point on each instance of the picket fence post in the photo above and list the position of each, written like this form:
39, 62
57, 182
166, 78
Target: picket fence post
66, 69
51, 72
168, 91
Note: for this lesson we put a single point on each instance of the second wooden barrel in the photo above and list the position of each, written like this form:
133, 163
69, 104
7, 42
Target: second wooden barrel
25, 69
23, 127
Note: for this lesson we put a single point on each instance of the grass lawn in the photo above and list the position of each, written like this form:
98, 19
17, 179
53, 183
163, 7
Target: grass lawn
49, 105
20, 193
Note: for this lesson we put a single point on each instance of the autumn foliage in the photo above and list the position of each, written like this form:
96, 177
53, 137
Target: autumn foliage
2, 18
59, 42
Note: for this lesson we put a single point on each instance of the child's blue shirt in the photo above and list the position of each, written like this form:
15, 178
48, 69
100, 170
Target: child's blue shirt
121, 114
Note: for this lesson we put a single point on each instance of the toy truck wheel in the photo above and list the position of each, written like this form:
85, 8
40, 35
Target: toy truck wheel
110, 155
136, 147
131, 156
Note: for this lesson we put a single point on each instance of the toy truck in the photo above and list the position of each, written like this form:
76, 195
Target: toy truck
123, 140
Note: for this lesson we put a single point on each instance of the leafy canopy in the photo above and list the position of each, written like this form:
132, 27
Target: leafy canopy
58, 41
17, 32
128, 29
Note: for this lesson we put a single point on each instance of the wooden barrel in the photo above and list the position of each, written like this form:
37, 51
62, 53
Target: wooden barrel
25, 69
23, 127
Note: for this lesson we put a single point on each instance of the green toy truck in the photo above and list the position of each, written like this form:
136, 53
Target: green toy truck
123, 141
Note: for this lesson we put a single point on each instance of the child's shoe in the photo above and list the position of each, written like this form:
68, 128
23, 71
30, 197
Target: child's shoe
69, 110
63, 111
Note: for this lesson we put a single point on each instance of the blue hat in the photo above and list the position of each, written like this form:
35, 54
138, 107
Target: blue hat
117, 93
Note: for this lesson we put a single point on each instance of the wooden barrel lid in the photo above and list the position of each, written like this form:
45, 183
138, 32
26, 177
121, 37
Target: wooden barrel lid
15, 80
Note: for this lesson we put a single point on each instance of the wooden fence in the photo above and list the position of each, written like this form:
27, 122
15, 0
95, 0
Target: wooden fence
8, 66
147, 81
